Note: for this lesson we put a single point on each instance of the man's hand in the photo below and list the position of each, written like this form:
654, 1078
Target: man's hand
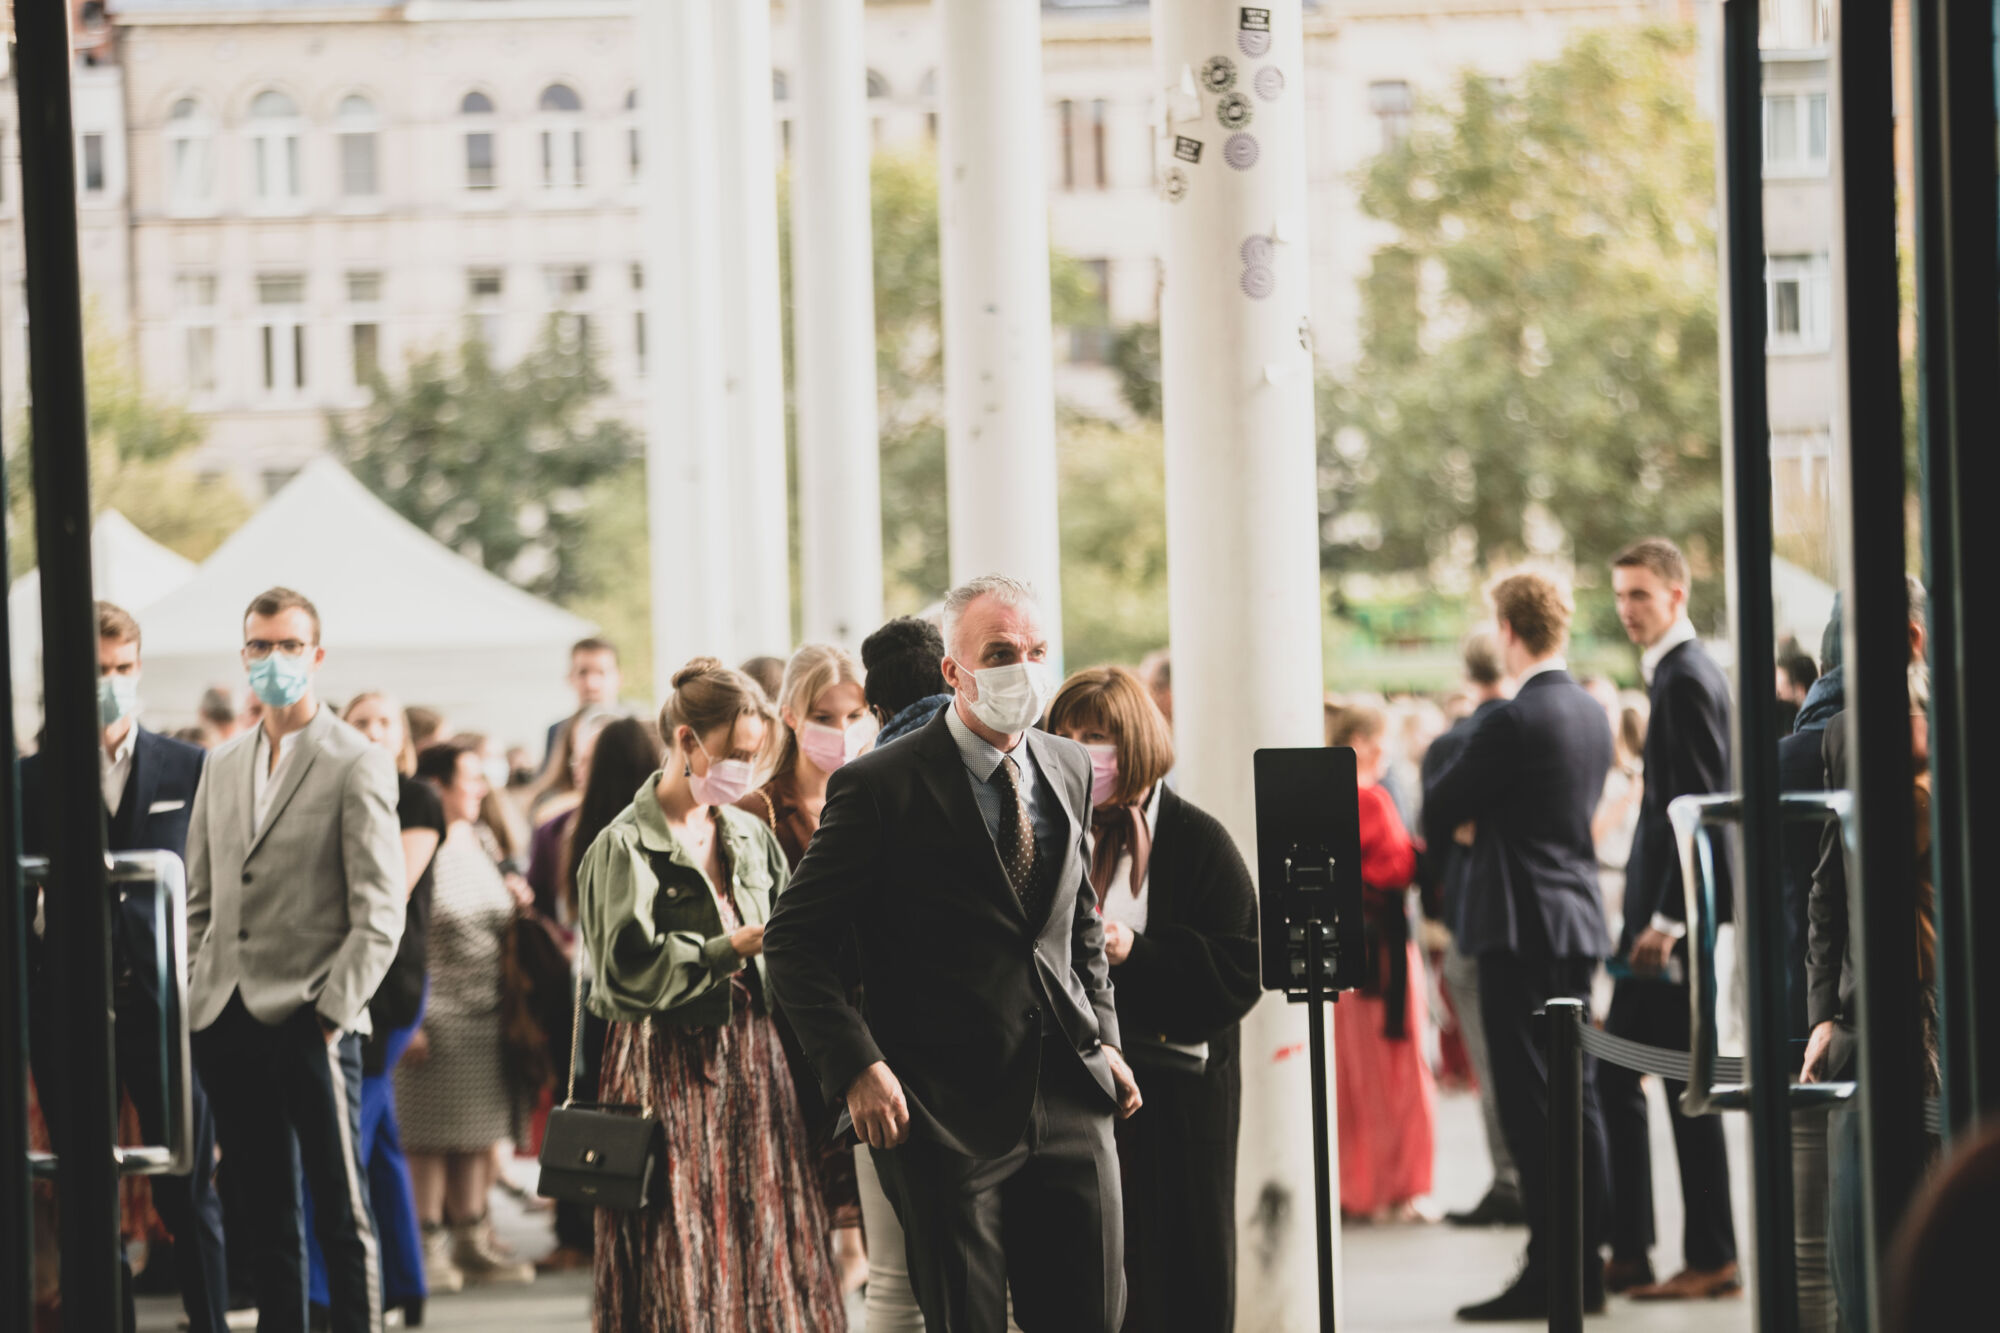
747, 941
328, 1032
1117, 942
875, 1100
1129, 1100
1465, 834
1651, 951
419, 1049
1816, 1044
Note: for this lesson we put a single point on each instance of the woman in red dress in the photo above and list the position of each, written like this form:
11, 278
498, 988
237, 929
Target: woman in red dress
1387, 1106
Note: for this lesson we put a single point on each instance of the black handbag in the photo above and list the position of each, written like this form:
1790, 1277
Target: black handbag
598, 1155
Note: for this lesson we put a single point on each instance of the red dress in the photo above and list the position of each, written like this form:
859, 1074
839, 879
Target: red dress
1386, 1104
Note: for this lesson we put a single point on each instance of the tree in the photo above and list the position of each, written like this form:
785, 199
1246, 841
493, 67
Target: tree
1539, 372
139, 447
498, 463
1113, 514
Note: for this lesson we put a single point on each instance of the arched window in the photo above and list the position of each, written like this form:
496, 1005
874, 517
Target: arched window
633, 160
190, 157
277, 177
481, 172
562, 137
357, 125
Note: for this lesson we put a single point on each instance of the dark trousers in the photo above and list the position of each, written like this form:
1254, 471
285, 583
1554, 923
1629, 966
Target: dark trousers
1512, 991
1177, 1162
1657, 1012
1043, 1221
286, 1101
189, 1205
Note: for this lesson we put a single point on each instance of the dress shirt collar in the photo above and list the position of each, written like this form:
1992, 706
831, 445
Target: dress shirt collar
1649, 661
114, 767
1547, 664
123, 754
981, 756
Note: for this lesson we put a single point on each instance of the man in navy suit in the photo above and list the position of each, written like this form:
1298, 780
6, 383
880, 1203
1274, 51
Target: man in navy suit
1687, 754
149, 786
1521, 795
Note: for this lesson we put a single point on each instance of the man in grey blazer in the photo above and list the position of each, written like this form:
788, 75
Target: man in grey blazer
295, 907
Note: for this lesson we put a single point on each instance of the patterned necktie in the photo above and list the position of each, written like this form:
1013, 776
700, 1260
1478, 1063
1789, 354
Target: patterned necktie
1018, 853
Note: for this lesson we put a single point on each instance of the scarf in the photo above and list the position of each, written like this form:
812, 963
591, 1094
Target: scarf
1121, 831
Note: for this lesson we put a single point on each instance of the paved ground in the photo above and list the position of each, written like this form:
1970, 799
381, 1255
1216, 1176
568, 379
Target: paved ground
1396, 1279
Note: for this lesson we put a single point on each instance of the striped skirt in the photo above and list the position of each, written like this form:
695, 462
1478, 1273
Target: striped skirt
739, 1242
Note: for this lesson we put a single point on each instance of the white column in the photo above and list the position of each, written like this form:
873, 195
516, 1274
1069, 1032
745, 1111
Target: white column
1242, 529
994, 241
752, 331
686, 463
833, 328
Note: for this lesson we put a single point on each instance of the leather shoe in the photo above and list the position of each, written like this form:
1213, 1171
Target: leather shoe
1500, 1208
1621, 1275
1528, 1299
1693, 1284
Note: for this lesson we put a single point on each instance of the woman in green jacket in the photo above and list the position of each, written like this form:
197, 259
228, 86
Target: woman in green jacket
672, 899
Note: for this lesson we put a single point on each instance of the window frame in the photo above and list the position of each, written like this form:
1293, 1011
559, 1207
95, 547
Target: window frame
560, 131
1802, 164
276, 141
282, 343
1812, 274
190, 137
350, 126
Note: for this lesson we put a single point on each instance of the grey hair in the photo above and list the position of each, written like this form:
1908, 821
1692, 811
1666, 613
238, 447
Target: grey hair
1003, 589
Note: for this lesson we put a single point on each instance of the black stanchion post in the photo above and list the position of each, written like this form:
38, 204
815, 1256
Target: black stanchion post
1565, 1021
1322, 1166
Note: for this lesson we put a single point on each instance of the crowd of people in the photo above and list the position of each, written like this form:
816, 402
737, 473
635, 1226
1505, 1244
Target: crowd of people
799, 901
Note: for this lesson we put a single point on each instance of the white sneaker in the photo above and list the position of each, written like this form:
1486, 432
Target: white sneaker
441, 1274
480, 1259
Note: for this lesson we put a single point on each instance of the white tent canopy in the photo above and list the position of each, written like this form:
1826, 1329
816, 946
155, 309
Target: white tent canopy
399, 612
128, 567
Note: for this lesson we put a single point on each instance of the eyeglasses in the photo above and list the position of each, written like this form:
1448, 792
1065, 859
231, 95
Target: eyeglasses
256, 650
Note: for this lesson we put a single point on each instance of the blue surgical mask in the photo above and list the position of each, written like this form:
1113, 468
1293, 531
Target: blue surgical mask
281, 681
117, 699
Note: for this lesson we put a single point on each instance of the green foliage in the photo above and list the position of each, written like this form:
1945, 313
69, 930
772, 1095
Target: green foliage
1135, 355
1113, 507
1539, 373
499, 463
138, 465
613, 572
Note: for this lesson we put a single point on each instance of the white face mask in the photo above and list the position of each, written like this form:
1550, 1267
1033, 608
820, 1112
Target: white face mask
1012, 698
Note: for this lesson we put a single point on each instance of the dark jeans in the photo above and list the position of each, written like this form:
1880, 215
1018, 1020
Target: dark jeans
189, 1205
1512, 991
286, 1100
1044, 1221
1657, 1012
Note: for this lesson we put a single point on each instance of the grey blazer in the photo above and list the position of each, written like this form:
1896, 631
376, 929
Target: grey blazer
308, 910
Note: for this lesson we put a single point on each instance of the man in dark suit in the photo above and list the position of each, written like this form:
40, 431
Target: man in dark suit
1447, 864
149, 787
594, 675
1687, 754
985, 1071
1521, 795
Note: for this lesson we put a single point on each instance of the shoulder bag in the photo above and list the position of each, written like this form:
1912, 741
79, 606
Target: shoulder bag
601, 1155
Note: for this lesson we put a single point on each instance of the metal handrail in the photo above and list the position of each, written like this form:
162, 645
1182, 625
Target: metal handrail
166, 876
1692, 818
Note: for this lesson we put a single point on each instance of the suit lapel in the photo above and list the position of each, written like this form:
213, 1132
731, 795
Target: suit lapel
951, 785
1040, 743
294, 772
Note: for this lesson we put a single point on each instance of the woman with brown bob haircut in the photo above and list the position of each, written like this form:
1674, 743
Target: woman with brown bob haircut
1180, 933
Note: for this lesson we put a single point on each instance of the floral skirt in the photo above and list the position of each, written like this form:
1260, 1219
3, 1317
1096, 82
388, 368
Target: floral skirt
739, 1242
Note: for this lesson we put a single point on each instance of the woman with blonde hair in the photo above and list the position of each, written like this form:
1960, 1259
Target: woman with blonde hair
672, 898
1180, 933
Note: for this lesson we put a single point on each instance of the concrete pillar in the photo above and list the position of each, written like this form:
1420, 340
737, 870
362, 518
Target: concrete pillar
993, 214
1243, 527
752, 331
687, 473
833, 328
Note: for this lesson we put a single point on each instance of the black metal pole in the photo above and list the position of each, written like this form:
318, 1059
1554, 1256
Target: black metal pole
1958, 420
1565, 1047
78, 904
1882, 908
17, 1233
1322, 1165
1760, 907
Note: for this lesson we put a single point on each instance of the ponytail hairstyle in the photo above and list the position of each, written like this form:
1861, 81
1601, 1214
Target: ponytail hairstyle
813, 670
707, 695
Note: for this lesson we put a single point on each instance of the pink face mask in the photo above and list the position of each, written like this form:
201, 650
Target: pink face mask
726, 782
830, 747
1103, 772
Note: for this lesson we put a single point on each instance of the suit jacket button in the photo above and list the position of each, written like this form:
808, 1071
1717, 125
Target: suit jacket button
242, 934
246, 877
1032, 1014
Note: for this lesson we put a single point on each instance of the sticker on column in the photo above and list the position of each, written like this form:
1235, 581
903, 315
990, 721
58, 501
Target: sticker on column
1258, 251
1174, 185
1234, 111
1240, 151
1259, 282
1253, 35
1186, 149
1218, 74
1269, 83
